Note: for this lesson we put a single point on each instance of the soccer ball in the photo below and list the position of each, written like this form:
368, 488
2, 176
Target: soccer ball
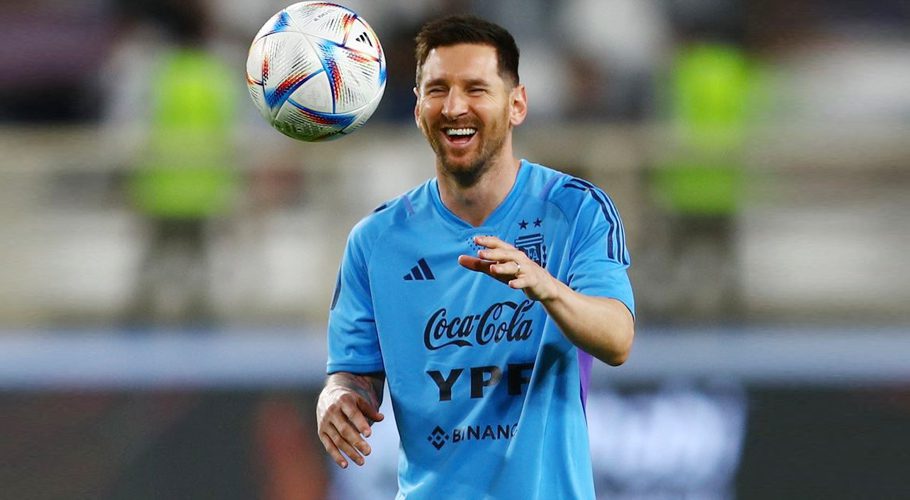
316, 71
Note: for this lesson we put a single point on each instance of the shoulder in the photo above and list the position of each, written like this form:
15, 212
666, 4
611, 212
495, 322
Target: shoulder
388, 215
572, 195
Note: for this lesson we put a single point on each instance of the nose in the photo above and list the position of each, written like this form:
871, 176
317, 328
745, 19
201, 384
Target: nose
455, 105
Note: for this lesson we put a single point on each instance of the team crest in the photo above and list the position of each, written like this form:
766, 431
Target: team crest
532, 245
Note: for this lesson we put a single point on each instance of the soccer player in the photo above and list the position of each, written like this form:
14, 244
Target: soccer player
480, 296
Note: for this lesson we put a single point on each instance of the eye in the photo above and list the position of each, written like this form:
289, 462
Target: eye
434, 91
477, 90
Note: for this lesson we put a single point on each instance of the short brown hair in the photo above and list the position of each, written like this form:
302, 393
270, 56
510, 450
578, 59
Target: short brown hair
457, 29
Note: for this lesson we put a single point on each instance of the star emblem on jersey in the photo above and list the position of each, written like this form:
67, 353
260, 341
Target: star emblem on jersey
523, 224
420, 272
532, 245
537, 222
438, 438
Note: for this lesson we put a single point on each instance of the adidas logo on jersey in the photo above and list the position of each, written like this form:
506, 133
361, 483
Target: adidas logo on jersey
420, 272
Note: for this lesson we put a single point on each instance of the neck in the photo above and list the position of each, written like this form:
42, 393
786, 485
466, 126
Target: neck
474, 204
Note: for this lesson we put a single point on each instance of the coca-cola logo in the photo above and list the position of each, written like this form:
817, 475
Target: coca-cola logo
501, 322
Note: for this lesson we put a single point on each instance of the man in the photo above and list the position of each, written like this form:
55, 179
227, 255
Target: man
186, 180
480, 296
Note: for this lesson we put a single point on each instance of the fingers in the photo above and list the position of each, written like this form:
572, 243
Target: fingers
511, 266
504, 264
356, 417
474, 263
339, 436
502, 255
371, 413
508, 269
491, 242
501, 261
519, 283
343, 427
348, 442
497, 251
328, 439
501, 271
507, 265
363, 416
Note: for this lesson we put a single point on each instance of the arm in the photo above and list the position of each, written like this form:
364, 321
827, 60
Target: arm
347, 407
600, 326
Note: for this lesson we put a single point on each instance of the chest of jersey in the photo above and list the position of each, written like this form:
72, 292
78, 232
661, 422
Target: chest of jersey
460, 333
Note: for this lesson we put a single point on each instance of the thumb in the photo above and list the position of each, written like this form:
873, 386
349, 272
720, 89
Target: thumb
370, 412
474, 263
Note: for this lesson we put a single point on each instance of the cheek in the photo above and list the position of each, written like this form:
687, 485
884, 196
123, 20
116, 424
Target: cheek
423, 123
420, 115
426, 110
505, 117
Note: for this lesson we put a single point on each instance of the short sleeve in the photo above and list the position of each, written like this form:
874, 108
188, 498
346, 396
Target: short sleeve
599, 256
353, 343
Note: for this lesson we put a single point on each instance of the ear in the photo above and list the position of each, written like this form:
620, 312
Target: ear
417, 108
519, 105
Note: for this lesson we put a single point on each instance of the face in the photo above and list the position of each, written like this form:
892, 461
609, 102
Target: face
466, 110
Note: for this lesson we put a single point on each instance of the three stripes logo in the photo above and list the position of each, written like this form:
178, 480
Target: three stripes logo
420, 272
363, 38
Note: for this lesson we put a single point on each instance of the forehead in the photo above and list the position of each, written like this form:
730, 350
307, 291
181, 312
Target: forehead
461, 62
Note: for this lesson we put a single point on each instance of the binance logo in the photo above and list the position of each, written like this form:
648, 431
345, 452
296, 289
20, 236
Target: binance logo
438, 438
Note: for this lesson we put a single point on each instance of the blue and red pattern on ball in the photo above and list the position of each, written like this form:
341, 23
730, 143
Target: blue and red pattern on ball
341, 121
275, 98
352, 67
281, 24
330, 52
327, 49
347, 21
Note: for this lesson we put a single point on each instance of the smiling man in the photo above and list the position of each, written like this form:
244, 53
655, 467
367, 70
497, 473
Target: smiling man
467, 109
481, 296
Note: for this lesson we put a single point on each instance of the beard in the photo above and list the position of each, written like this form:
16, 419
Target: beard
467, 171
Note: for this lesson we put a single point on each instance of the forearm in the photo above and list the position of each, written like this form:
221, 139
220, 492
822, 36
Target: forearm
600, 326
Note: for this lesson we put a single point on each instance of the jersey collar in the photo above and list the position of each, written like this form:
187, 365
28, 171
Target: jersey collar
499, 213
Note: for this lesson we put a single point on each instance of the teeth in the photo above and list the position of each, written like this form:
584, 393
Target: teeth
461, 131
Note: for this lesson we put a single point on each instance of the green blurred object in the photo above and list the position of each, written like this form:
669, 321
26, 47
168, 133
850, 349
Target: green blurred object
700, 188
712, 99
187, 170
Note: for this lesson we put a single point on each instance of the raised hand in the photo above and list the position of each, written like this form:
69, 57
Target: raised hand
511, 266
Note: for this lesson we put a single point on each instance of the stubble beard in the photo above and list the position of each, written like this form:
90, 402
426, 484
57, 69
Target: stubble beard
468, 175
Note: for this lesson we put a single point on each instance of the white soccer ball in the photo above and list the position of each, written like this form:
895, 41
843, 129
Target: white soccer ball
316, 71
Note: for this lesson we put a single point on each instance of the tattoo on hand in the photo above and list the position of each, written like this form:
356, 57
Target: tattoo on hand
367, 386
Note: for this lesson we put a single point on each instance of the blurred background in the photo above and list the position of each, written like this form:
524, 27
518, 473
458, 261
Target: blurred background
162, 327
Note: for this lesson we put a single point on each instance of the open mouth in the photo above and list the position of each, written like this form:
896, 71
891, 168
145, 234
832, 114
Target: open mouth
461, 135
